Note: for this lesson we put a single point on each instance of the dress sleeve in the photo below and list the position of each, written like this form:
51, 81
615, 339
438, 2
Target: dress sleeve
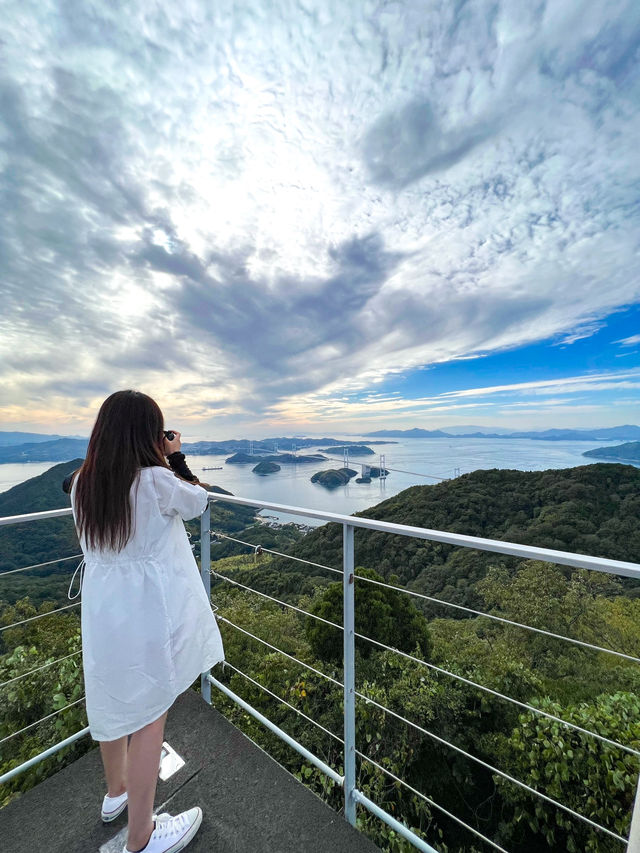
175, 497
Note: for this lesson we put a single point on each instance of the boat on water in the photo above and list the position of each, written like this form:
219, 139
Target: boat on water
214, 468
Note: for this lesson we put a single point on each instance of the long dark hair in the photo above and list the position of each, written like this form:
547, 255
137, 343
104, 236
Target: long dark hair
127, 436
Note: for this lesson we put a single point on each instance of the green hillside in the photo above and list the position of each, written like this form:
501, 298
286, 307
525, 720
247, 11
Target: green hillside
629, 452
58, 450
38, 541
594, 509
41, 541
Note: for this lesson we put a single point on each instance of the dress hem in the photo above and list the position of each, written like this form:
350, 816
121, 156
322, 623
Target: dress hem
151, 718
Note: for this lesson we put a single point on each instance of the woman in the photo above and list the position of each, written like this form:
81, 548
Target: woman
147, 625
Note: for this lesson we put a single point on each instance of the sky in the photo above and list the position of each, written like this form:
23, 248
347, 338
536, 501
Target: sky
300, 217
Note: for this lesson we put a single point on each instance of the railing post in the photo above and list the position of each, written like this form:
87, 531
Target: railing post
634, 833
205, 572
349, 674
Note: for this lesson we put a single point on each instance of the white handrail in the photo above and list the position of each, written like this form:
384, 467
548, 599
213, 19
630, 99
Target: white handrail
529, 552
35, 516
442, 602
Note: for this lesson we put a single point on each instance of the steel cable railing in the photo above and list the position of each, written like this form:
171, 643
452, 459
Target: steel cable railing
276, 600
41, 720
492, 616
57, 747
34, 516
39, 668
39, 616
431, 802
443, 742
441, 670
284, 701
39, 565
531, 709
52, 750
280, 651
498, 546
420, 794
265, 550
486, 765
447, 743
502, 619
370, 760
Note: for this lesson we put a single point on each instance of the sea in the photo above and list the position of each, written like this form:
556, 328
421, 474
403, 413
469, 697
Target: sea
410, 462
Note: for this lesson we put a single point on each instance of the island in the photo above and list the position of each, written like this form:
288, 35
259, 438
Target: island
377, 472
354, 449
629, 452
266, 467
57, 450
334, 477
286, 458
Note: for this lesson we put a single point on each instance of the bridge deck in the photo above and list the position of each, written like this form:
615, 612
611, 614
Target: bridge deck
250, 803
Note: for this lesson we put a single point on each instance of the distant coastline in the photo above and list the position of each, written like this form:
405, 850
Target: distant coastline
628, 432
47, 448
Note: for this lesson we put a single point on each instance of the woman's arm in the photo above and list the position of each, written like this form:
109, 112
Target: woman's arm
177, 497
180, 467
175, 458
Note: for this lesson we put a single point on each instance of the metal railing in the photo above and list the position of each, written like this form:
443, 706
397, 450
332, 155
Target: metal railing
57, 747
347, 779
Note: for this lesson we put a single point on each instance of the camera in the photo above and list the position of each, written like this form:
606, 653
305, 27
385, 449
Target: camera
169, 435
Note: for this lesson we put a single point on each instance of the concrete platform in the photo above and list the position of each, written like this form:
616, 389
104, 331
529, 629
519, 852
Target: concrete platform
250, 802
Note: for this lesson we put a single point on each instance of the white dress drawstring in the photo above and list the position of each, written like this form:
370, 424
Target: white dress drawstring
79, 567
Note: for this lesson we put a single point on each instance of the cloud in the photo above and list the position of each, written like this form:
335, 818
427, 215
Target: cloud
571, 384
532, 395
235, 211
629, 342
405, 144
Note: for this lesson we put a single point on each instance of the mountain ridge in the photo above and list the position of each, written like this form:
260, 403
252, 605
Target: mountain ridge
619, 433
592, 509
63, 449
66, 448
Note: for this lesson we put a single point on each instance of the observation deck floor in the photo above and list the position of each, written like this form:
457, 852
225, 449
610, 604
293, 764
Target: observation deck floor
250, 803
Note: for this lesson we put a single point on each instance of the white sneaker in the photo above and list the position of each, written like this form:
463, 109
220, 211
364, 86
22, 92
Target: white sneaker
113, 806
172, 833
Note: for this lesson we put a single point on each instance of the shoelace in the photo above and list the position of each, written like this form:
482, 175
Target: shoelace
167, 825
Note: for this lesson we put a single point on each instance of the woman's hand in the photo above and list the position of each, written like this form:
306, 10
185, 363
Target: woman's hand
173, 445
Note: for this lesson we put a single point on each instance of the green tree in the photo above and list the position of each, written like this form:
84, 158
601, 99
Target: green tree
26, 698
594, 779
381, 613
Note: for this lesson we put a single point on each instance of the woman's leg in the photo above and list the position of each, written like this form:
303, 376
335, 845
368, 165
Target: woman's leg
143, 763
114, 759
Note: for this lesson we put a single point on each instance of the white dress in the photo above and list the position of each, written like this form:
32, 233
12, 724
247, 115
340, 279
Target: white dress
147, 627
